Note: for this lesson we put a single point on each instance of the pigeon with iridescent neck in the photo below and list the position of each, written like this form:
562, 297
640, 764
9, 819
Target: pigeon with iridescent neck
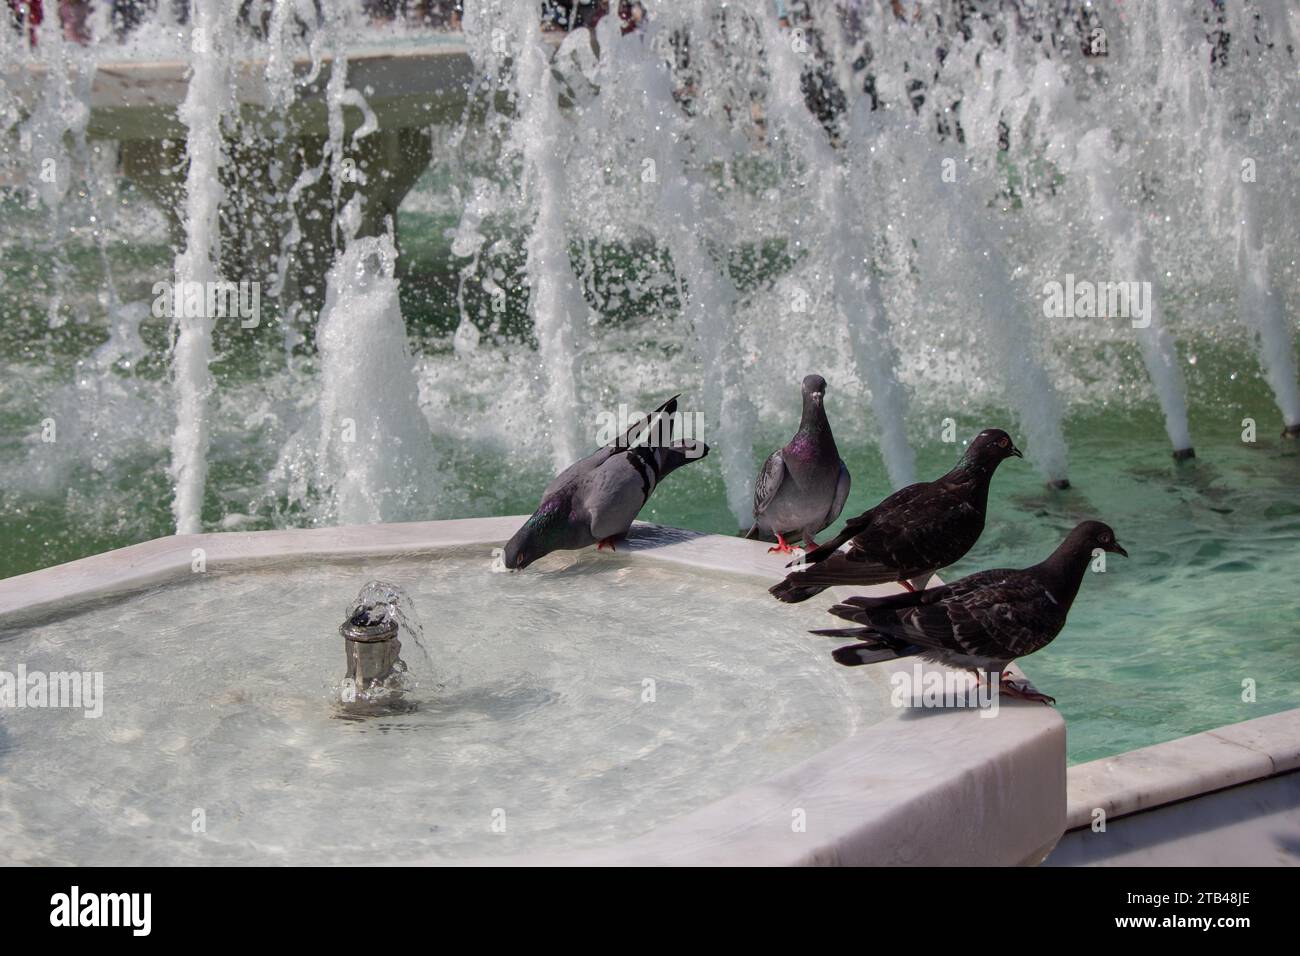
595, 500
913, 533
802, 487
979, 623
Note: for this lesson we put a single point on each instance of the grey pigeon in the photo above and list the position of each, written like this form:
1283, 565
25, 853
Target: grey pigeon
596, 499
803, 486
981, 622
913, 533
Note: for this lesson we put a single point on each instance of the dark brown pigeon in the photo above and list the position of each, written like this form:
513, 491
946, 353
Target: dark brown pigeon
913, 533
981, 622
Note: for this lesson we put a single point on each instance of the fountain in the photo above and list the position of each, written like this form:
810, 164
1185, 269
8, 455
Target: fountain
643, 176
548, 732
377, 678
468, 244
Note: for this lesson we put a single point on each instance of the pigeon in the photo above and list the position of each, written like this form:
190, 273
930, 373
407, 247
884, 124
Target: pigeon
595, 500
911, 534
802, 487
981, 622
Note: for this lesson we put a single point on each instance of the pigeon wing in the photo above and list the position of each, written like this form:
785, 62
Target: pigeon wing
929, 528
636, 433
844, 567
1000, 615
841, 495
578, 469
769, 481
613, 495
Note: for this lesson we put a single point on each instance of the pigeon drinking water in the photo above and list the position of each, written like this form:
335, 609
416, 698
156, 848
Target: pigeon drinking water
802, 487
910, 535
596, 499
981, 622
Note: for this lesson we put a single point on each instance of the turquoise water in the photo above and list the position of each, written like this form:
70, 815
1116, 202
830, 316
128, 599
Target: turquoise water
1157, 647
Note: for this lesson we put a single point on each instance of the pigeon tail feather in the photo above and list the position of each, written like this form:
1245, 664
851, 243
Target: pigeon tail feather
871, 652
792, 593
827, 548
642, 431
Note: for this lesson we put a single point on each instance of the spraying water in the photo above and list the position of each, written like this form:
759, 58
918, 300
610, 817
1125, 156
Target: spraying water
206, 101
843, 238
704, 201
373, 460
1263, 309
554, 303
1131, 262
637, 99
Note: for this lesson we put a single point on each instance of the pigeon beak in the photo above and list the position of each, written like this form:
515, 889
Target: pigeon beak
515, 560
1119, 550
1017, 452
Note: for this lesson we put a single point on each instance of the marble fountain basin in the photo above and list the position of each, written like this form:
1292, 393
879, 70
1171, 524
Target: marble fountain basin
653, 706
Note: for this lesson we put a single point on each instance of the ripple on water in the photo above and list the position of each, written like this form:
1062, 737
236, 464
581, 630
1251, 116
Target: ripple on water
581, 701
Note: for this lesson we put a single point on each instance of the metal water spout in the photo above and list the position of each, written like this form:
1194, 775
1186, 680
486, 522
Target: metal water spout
377, 679
372, 649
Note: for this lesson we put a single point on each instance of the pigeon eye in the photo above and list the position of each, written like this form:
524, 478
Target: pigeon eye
1003, 443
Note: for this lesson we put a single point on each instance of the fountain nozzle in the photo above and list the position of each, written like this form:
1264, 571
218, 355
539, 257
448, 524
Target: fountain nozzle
377, 679
372, 651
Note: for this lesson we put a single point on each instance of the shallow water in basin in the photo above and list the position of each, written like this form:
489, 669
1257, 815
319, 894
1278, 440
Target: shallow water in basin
576, 704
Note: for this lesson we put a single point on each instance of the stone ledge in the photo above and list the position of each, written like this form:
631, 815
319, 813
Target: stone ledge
1187, 767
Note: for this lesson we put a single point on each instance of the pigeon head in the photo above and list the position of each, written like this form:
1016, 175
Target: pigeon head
992, 446
546, 531
814, 389
812, 420
1091, 535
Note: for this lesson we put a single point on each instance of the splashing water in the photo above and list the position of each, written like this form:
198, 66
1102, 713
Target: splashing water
708, 203
845, 247
554, 303
1263, 308
393, 603
371, 460
208, 97
1132, 257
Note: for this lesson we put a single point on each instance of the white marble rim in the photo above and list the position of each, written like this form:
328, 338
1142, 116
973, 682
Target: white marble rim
1183, 769
926, 787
